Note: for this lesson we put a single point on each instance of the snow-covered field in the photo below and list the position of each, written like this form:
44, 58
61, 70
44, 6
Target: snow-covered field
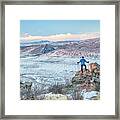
49, 70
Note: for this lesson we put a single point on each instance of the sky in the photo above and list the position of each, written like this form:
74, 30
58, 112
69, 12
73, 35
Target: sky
57, 29
52, 27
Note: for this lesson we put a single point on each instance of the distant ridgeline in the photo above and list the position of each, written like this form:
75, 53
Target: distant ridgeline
88, 48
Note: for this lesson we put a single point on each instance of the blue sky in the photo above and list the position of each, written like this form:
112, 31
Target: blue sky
51, 27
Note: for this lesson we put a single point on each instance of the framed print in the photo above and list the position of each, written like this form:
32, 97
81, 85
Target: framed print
60, 59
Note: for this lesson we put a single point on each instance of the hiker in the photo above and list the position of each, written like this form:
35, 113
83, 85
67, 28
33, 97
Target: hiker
83, 61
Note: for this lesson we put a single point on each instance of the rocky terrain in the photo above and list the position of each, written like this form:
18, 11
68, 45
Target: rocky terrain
83, 86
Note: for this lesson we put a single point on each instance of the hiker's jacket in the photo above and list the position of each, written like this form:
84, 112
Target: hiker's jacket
83, 61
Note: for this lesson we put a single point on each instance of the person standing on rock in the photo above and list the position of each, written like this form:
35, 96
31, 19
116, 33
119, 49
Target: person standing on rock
83, 61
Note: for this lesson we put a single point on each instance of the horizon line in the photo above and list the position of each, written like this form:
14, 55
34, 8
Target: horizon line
58, 37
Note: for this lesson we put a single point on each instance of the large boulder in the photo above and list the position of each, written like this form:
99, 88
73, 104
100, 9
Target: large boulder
94, 67
92, 95
51, 96
27, 85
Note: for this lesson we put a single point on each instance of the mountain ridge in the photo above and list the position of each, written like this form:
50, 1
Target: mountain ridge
86, 47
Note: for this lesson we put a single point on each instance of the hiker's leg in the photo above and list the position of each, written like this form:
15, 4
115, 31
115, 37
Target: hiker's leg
82, 68
85, 67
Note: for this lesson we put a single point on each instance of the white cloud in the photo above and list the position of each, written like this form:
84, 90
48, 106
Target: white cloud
60, 37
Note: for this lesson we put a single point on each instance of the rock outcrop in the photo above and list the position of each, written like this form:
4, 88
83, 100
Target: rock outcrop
84, 85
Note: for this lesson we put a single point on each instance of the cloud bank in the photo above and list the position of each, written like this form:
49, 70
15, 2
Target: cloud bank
60, 37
